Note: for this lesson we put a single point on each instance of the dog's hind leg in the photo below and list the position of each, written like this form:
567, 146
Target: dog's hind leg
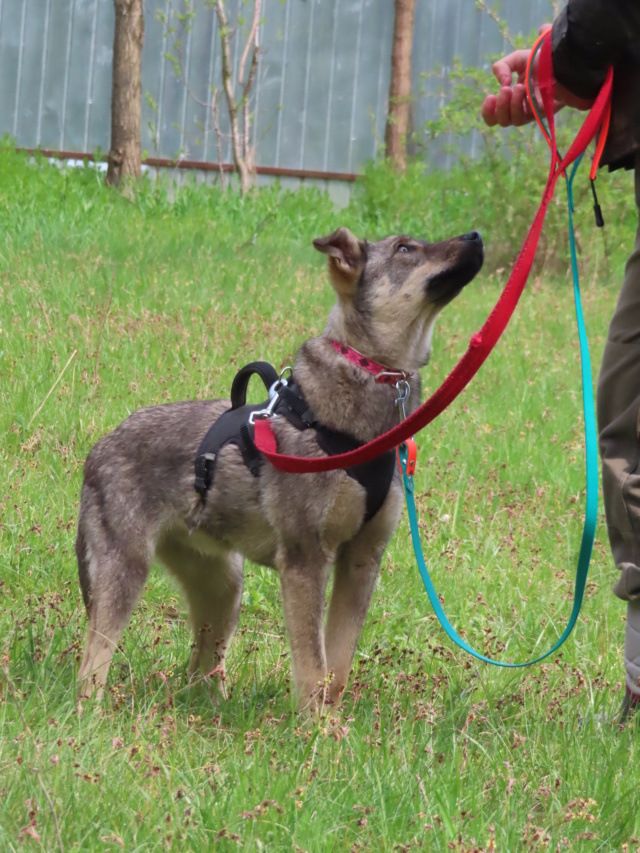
112, 577
213, 586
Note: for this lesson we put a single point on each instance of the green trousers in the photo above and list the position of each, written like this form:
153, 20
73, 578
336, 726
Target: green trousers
619, 425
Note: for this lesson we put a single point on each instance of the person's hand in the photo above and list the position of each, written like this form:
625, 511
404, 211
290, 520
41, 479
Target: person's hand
510, 107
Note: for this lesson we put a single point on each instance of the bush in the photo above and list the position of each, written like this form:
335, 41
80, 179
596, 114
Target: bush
496, 193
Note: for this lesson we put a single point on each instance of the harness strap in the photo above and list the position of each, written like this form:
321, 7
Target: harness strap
253, 459
230, 428
263, 369
295, 404
204, 472
233, 427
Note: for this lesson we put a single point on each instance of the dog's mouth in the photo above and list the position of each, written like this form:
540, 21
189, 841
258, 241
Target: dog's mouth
447, 284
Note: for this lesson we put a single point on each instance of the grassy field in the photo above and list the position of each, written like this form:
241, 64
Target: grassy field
108, 304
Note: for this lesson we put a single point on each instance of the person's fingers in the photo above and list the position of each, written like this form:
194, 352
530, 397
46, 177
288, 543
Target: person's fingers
488, 111
520, 112
502, 71
514, 63
543, 28
503, 107
510, 106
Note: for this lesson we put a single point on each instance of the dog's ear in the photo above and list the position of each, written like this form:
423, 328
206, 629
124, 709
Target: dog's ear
347, 257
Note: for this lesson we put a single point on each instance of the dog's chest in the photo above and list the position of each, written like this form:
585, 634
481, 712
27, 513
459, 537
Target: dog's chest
258, 516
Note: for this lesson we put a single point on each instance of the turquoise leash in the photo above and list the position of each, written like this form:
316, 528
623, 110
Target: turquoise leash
591, 507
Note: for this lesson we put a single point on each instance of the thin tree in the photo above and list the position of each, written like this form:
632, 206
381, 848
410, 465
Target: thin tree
397, 127
238, 92
125, 153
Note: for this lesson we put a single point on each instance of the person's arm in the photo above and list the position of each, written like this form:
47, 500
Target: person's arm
589, 36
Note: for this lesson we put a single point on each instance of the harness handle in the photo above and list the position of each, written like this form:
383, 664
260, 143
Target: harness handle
263, 369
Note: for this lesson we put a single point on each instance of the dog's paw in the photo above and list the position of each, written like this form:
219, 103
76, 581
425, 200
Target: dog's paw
215, 682
322, 700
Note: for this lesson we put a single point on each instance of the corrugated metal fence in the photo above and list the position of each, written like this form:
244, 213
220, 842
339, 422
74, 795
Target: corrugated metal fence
320, 100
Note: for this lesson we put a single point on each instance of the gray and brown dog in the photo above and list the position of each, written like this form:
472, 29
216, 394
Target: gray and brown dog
138, 499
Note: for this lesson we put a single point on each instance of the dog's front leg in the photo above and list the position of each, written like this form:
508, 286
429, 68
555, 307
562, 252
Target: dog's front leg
353, 585
356, 570
303, 585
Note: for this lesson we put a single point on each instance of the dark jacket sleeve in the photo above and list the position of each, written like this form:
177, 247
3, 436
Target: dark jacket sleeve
590, 35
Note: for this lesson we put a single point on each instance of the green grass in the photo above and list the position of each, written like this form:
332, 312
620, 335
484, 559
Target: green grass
153, 299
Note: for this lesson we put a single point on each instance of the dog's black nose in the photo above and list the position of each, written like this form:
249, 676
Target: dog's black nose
473, 236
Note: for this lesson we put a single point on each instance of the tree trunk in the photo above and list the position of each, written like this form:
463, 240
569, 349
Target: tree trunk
126, 94
395, 137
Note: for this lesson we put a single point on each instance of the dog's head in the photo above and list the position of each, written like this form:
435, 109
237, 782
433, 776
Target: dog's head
390, 292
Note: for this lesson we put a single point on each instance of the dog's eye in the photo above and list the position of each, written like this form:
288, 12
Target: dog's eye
404, 247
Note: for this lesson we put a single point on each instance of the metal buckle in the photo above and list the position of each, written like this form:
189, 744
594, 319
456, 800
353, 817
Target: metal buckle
404, 392
407, 447
391, 374
265, 414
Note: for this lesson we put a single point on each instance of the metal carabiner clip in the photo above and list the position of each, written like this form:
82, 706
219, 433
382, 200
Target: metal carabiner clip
264, 414
404, 392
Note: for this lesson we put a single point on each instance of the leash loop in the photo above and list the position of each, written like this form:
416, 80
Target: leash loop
591, 451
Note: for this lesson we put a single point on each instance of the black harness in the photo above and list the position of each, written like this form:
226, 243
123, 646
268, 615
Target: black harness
235, 426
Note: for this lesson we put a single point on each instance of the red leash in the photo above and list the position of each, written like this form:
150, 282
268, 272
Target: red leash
483, 341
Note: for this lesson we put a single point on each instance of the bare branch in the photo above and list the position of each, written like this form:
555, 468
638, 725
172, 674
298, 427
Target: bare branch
239, 139
236, 90
227, 64
216, 126
252, 39
246, 94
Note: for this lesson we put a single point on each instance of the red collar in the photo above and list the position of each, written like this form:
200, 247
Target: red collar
383, 375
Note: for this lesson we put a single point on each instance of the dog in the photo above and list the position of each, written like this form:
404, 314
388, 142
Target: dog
138, 499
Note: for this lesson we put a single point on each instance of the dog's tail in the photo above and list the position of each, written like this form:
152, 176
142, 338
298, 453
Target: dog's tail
83, 566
